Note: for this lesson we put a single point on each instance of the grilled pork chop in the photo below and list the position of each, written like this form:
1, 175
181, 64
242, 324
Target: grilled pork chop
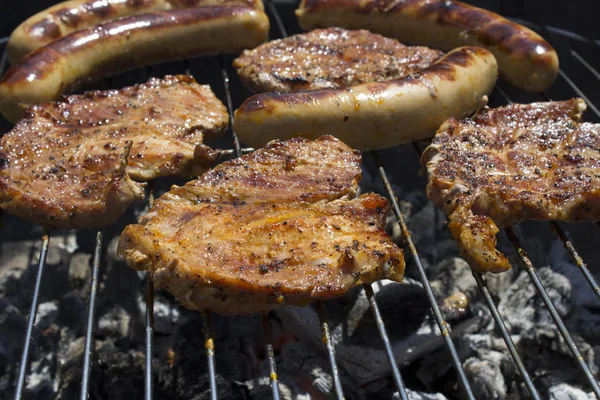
273, 228
65, 164
329, 58
520, 162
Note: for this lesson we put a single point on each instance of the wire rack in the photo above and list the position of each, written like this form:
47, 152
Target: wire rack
570, 57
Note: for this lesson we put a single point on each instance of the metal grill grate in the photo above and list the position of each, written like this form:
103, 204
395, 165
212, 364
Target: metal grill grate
502, 92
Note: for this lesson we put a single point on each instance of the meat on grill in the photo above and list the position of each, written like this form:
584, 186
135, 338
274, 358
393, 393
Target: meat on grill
272, 228
521, 162
329, 58
65, 165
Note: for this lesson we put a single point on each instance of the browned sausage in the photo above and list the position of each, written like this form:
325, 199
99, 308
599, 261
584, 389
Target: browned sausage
374, 115
525, 59
73, 15
125, 43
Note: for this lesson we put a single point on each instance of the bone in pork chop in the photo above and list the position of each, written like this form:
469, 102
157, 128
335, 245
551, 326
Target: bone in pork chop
521, 162
272, 228
329, 58
65, 164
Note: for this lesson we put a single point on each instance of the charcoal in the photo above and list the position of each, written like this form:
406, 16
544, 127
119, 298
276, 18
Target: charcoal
565, 392
450, 276
524, 308
115, 323
46, 315
80, 273
13, 326
414, 395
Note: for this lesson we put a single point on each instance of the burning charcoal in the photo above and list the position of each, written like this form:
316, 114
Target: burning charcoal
166, 315
450, 276
12, 331
523, 308
71, 313
414, 395
46, 315
485, 375
565, 392
354, 331
115, 323
80, 273
260, 388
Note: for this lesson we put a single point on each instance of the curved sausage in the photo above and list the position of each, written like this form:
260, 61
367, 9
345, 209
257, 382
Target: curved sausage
70, 16
126, 43
374, 115
525, 59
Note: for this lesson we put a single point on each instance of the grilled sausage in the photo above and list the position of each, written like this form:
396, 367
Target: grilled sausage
525, 59
374, 115
125, 43
70, 16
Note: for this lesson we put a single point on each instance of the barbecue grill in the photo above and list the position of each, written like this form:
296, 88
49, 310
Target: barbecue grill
577, 77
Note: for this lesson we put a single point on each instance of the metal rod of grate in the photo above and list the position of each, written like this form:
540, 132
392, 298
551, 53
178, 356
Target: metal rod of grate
529, 268
386, 343
427, 286
335, 373
32, 314
209, 344
149, 316
265, 329
89, 334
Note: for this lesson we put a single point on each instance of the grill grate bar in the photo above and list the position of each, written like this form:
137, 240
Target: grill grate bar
505, 335
225, 79
335, 373
149, 315
89, 333
209, 344
576, 257
386, 342
579, 92
553, 313
277, 17
585, 63
265, 329
32, 315
434, 306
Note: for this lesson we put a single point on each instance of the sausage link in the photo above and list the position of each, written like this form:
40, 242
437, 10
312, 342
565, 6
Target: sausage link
374, 115
525, 59
126, 43
70, 16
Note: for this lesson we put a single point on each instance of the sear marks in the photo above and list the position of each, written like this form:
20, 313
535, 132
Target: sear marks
329, 58
270, 229
520, 162
65, 164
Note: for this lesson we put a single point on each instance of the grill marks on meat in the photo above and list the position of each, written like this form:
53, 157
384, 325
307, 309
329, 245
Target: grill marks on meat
521, 162
329, 58
269, 229
65, 165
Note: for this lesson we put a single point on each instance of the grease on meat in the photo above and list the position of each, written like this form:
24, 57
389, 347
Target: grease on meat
65, 164
329, 58
273, 228
521, 162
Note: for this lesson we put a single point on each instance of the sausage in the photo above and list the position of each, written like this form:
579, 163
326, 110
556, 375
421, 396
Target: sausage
70, 16
374, 115
525, 59
126, 43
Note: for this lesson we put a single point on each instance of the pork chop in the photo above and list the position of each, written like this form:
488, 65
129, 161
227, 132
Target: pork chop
273, 228
329, 58
65, 165
521, 162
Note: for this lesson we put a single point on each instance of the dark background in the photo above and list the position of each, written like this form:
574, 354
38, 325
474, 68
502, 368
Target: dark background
580, 16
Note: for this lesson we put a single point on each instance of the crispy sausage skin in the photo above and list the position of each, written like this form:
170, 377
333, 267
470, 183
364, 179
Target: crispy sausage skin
70, 16
525, 59
126, 43
374, 115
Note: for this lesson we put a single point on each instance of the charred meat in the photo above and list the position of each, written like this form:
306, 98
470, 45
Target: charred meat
521, 162
329, 58
273, 228
70, 163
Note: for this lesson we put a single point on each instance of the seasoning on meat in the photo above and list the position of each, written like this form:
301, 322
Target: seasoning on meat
272, 228
521, 162
329, 58
65, 165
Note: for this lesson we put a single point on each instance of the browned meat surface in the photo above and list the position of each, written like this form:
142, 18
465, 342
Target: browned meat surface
273, 228
329, 58
521, 162
63, 165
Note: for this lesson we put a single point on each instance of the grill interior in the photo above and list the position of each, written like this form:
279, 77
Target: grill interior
578, 77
